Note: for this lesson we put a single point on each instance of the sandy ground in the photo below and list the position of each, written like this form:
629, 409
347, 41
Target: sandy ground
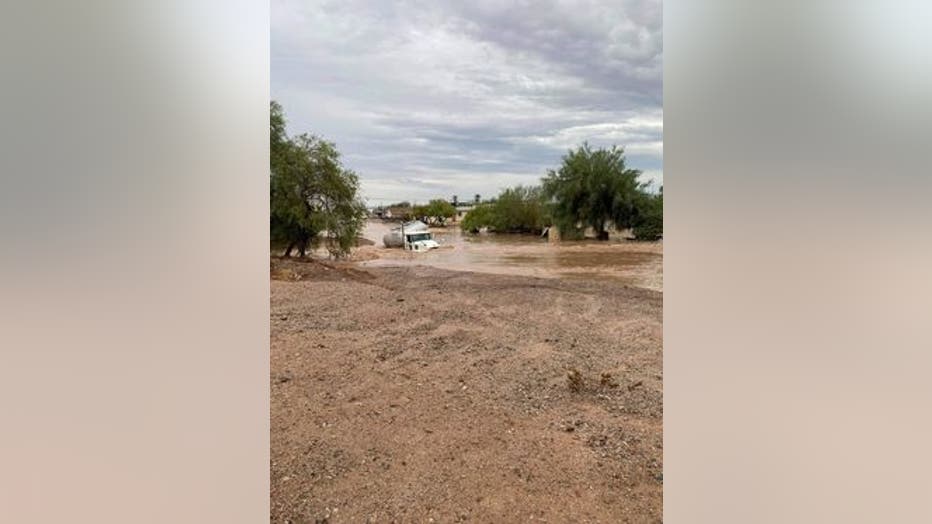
416, 393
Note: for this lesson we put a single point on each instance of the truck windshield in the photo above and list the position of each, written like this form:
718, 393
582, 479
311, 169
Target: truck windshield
419, 236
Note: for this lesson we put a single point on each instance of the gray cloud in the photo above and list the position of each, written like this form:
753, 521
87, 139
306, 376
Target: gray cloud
434, 98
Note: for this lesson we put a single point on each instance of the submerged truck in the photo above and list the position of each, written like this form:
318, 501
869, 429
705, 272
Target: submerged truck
412, 236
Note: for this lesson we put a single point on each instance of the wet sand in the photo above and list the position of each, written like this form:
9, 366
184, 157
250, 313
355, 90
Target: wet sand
413, 393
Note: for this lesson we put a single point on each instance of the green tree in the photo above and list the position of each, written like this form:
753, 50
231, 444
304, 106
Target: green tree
278, 138
478, 217
436, 211
313, 197
594, 188
520, 209
648, 225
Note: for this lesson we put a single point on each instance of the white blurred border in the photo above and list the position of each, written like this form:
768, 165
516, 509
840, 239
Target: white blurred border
134, 347
796, 277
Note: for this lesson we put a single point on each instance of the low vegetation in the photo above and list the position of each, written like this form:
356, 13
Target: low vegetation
435, 213
648, 224
520, 209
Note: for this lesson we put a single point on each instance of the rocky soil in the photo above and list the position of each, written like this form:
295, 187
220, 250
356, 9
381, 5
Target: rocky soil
416, 394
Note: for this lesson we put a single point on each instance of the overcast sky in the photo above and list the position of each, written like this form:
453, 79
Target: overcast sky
434, 98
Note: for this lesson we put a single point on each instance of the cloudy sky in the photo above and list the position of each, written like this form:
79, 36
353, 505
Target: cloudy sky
438, 98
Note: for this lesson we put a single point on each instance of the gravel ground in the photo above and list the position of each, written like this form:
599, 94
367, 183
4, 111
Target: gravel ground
417, 394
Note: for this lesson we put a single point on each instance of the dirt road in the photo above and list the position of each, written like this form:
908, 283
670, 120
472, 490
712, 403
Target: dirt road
410, 394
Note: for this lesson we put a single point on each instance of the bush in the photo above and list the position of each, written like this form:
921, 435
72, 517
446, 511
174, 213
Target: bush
477, 218
648, 225
520, 209
436, 211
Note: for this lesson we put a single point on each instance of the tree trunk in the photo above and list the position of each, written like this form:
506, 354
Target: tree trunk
602, 235
288, 251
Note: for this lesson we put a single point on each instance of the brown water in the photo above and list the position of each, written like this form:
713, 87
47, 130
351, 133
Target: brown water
633, 263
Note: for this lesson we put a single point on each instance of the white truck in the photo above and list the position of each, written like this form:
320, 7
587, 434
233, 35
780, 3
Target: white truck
412, 236
420, 241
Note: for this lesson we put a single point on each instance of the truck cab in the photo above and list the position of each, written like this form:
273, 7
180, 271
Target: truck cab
419, 241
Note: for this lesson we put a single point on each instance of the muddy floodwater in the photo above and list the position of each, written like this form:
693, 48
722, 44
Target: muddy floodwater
633, 263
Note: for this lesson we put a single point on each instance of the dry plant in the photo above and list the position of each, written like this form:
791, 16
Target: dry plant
574, 380
608, 381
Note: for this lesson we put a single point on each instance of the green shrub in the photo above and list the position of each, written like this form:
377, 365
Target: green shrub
519, 209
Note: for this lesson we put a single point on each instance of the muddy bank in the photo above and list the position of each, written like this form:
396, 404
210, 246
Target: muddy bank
404, 394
